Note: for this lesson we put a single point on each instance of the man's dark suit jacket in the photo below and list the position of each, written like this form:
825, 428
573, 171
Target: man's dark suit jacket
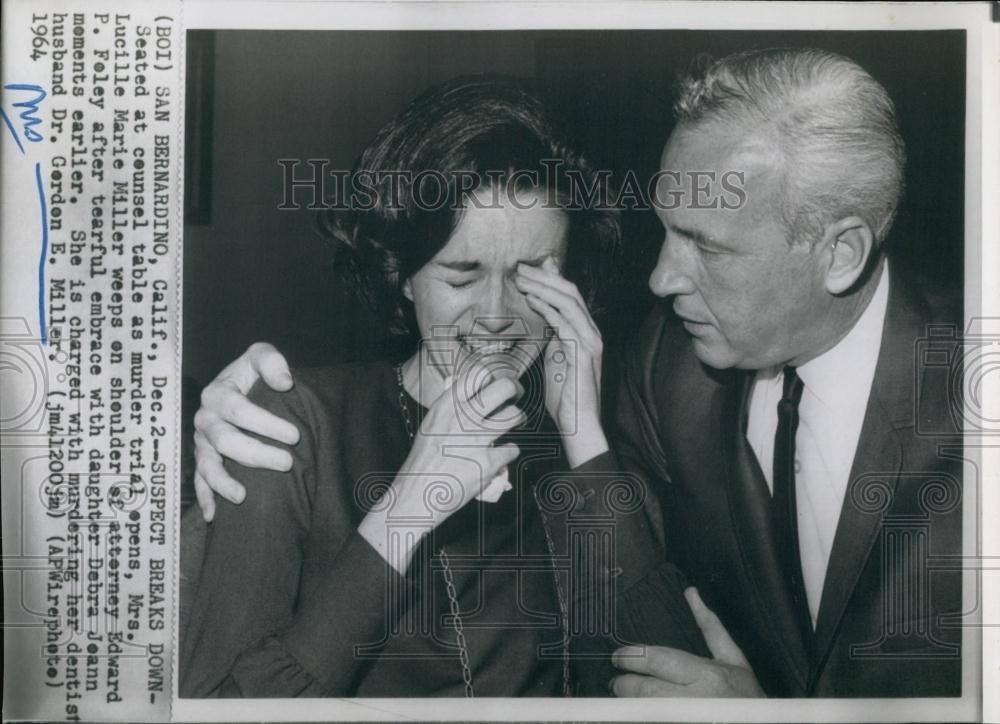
888, 619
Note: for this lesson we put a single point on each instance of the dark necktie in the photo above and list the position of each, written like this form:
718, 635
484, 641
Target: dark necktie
786, 529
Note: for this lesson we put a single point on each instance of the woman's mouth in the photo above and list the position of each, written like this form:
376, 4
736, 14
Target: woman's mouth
485, 346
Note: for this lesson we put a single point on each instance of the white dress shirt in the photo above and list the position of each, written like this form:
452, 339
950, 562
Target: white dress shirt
831, 412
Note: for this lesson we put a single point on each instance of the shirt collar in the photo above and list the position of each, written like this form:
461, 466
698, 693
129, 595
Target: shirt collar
853, 358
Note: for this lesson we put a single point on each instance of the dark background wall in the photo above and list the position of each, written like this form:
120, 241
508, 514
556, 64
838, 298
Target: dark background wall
254, 272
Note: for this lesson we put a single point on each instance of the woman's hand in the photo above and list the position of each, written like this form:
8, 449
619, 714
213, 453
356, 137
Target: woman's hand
452, 459
225, 412
572, 360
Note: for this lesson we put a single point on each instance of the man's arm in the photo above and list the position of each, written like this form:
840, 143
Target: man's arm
638, 448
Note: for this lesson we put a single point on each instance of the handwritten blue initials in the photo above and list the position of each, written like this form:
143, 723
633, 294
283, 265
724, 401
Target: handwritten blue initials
27, 116
29, 119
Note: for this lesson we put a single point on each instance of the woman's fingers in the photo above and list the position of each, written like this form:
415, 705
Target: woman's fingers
556, 320
551, 315
486, 402
541, 284
549, 274
557, 348
504, 420
571, 307
486, 412
503, 455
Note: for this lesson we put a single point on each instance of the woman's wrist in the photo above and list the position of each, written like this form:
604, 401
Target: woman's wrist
394, 536
585, 443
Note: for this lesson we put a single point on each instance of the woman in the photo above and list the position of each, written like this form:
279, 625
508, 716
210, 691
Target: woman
389, 561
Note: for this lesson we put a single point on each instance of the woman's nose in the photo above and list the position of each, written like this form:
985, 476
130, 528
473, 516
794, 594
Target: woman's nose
496, 310
495, 324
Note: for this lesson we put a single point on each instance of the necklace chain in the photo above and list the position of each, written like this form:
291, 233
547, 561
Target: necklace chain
456, 620
405, 408
449, 578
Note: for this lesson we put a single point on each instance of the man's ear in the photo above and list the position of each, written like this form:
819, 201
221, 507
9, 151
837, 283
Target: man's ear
847, 244
408, 290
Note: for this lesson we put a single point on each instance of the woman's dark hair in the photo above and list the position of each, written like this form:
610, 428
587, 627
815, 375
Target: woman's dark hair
409, 186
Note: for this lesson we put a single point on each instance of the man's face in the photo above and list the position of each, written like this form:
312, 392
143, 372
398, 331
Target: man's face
747, 297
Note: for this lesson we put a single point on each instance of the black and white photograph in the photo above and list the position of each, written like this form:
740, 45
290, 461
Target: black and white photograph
544, 364
500, 361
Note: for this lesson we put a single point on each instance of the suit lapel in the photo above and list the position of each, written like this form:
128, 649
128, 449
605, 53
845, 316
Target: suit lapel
750, 509
877, 462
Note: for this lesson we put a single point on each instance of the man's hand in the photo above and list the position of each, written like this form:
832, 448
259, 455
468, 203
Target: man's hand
225, 411
661, 671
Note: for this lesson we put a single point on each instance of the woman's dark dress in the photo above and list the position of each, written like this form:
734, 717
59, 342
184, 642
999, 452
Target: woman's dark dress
292, 601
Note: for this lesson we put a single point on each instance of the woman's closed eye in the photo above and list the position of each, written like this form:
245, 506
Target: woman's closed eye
460, 283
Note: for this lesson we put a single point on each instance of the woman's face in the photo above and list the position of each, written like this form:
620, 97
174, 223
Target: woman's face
468, 308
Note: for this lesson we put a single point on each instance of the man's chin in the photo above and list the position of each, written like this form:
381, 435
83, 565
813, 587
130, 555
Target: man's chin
714, 355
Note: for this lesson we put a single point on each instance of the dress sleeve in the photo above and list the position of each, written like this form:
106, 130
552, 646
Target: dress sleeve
638, 593
253, 630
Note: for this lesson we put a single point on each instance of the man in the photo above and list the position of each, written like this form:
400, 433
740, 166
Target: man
776, 407
772, 400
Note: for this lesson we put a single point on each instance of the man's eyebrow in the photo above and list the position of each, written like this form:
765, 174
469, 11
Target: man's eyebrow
694, 235
462, 266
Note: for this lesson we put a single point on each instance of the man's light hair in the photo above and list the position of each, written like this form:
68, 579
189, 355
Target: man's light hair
832, 124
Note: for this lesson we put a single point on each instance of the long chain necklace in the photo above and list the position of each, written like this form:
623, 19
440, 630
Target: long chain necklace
449, 578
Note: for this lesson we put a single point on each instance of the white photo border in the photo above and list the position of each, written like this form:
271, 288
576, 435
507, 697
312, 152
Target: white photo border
982, 300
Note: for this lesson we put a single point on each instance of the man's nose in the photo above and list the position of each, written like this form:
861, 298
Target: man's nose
669, 276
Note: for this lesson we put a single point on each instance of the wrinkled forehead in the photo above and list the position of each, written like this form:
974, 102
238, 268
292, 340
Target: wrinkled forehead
501, 230
718, 168
721, 147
